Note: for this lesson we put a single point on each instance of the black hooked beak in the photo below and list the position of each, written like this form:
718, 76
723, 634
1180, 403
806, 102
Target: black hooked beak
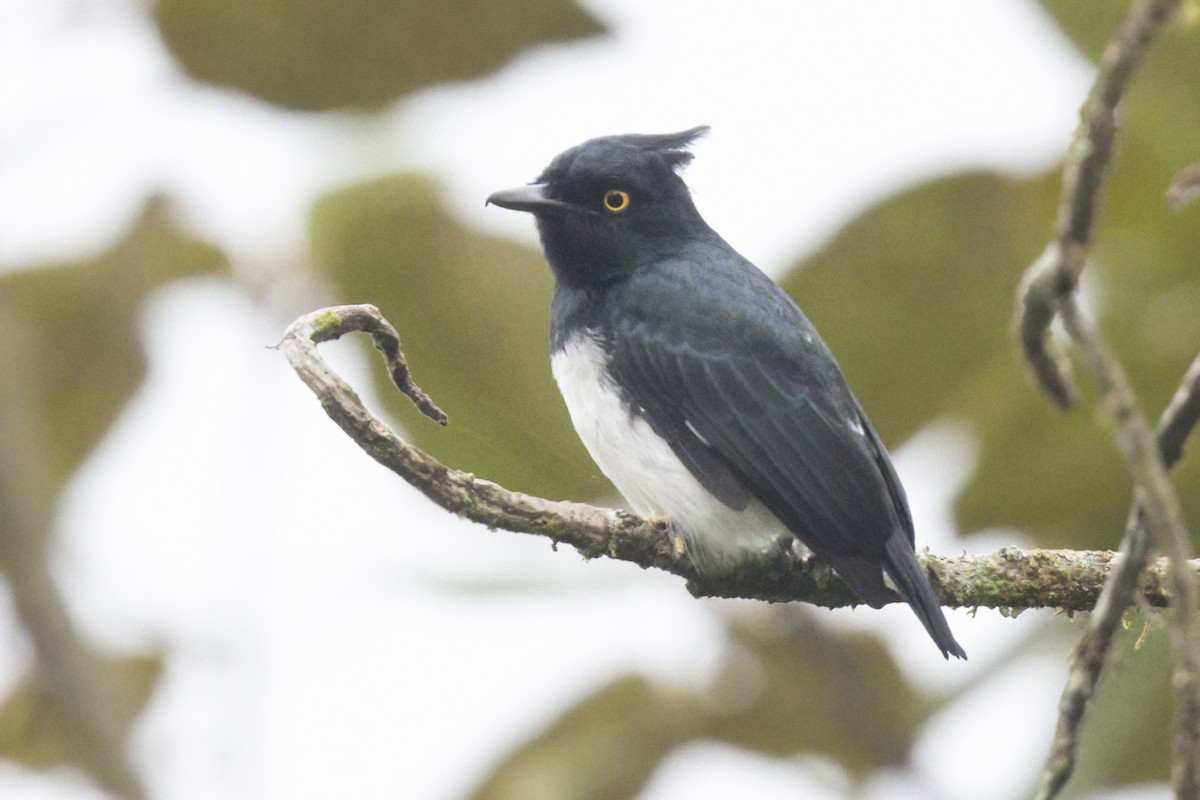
531, 197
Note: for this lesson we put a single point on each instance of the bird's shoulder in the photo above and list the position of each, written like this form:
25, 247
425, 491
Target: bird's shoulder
701, 307
707, 301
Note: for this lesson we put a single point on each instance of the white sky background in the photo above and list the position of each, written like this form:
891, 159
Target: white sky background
321, 642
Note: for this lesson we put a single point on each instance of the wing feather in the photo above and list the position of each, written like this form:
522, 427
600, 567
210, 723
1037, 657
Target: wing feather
781, 422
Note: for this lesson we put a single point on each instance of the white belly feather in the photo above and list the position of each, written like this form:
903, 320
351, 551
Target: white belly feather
644, 469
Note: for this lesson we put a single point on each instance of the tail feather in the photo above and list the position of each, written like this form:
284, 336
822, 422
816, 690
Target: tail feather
902, 566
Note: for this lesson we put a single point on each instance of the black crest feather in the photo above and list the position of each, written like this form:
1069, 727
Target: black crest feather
671, 146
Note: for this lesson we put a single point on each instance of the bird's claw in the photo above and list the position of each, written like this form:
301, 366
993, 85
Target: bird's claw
674, 536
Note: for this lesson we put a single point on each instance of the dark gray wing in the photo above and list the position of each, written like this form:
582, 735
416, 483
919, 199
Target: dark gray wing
757, 400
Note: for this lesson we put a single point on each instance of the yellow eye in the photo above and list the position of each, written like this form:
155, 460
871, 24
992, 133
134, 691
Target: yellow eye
616, 201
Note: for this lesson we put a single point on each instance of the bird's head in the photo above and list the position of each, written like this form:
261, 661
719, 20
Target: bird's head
611, 204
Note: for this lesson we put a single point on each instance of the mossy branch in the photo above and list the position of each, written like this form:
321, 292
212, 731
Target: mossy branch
1010, 579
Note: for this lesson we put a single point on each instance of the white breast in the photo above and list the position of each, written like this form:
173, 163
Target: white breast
642, 466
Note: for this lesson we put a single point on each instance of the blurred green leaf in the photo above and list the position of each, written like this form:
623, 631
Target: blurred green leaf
37, 729
789, 686
321, 54
794, 686
75, 328
473, 315
604, 748
1087, 23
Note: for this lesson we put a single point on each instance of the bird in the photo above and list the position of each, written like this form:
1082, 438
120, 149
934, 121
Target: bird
699, 387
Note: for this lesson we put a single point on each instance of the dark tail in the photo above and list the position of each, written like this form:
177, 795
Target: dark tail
900, 563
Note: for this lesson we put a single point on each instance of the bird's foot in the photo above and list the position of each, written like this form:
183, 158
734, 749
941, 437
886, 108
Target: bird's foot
794, 550
674, 536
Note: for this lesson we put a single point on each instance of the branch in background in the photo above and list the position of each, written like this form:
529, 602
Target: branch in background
1180, 416
1010, 579
1056, 272
81, 703
1165, 531
1047, 291
1087, 663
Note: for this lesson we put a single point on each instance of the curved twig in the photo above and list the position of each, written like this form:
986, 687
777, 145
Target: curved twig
1056, 272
